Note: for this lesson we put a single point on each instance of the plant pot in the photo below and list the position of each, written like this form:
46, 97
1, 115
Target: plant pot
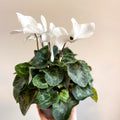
47, 112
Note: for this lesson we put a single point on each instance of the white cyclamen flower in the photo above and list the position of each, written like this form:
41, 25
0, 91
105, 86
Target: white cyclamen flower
47, 35
78, 32
44, 33
36, 30
29, 24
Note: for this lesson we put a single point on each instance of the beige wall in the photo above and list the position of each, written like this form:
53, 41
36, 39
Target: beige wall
102, 51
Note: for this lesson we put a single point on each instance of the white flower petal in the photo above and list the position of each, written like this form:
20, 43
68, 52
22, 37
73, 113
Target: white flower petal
26, 20
60, 41
62, 36
31, 37
16, 31
74, 22
43, 20
81, 31
85, 30
46, 37
60, 31
51, 27
30, 29
28, 23
75, 29
57, 32
40, 27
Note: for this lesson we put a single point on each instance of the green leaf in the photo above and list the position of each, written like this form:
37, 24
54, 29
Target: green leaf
46, 99
62, 111
16, 93
85, 65
41, 58
22, 69
55, 98
79, 73
26, 98
59, 86
68, 59
81, 93
87, 70
33, 71
64, 95
54, 75
55, 50
95, 95
19, 82
53, 94
66, 81
90, 82
31, 86
39, 81
50, 90
67, 51
56, 62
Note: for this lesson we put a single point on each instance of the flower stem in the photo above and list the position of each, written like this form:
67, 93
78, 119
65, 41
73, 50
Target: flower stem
61, 53
49, 48
37, 41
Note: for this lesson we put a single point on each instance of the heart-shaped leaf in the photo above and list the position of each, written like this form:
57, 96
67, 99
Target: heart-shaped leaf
19, 85
81, 93
22, 69
39, 81
68, 59
79, 73
26, 98
62, 111
16, 93
54, 75
19, 82
67, 51
41, 58
46, 99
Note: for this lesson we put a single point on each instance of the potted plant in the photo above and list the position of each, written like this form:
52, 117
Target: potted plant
53, 79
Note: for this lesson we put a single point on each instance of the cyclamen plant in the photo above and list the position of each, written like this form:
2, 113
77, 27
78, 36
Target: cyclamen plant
53, 78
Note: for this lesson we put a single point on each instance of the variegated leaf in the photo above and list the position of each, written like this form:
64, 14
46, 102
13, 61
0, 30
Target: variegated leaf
81, 93
62, 111
79, 73
39, 81
54, 75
